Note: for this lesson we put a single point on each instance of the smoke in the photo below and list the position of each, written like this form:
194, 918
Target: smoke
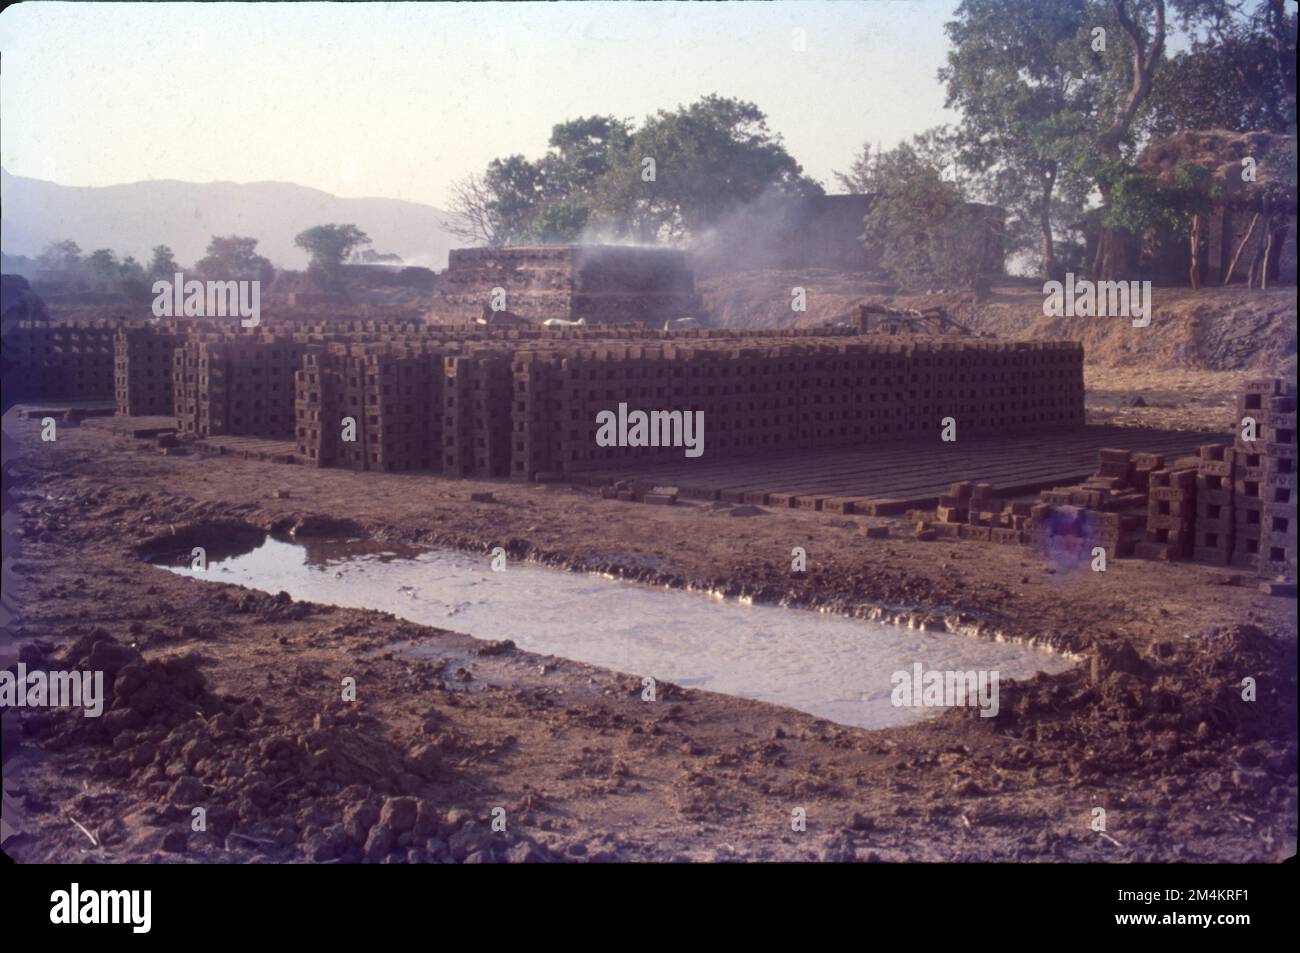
755, 236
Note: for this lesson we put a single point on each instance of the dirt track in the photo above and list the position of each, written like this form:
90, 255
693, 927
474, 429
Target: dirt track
234, 705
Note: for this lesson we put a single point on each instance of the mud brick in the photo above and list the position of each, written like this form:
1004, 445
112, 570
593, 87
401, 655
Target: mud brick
1056, 497
840, 504
1021, 508
1146, 549
960, 491
782, 499
1216, 468
1000, 535
756, 497
1114, 469
1244, 560
950, 514
1278, 466
1105, 483
982, 491
809, 502
968, 531
1211, 556
947, 530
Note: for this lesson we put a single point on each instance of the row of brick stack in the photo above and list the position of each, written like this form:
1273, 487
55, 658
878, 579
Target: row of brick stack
68, 361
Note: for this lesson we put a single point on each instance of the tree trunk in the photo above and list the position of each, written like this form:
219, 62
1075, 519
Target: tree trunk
1268, 256
1045, 224
1195, 271
1241, 247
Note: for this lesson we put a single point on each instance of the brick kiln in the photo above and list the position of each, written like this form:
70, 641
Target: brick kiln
603, 284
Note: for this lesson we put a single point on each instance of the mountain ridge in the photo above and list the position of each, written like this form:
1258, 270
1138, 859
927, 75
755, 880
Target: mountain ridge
132, 217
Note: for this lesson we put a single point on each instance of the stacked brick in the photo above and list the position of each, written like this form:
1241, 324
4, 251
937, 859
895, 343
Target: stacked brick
1265, 489
478, 390
792, 395
391, 395
142, 371
70, 361
237, 385
1171, 513
1215, 526
599, 284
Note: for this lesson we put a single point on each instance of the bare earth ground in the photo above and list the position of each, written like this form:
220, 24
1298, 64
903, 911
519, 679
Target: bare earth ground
229, 699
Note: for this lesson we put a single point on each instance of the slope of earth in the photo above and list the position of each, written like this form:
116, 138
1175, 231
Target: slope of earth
1213, 329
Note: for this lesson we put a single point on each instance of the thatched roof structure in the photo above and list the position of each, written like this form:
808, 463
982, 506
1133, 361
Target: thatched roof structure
1220, 152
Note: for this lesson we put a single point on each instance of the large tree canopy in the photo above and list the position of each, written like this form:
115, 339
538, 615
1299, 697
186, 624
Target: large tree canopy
677, 174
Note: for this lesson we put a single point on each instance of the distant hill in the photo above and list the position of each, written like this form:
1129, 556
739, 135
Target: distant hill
132, 218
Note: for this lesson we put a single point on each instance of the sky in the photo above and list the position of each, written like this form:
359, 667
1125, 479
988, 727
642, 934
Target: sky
401, 99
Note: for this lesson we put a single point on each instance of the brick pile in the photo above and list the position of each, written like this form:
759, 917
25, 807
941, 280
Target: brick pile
142, 371
68, 361
1265, 488
596, 283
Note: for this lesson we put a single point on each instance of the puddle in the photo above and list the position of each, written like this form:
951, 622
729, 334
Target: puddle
830, 666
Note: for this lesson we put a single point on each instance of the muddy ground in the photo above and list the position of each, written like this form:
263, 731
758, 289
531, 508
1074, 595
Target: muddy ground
230, 700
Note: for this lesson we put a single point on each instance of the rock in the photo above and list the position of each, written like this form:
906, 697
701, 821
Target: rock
325, 845
175, 842
424, 760
358, 818
1109, 659
187, 791
427, 821
379, 842
399, 813
524, 853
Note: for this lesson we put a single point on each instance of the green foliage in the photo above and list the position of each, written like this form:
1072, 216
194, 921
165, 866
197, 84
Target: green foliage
329, 246
60, 256
234, 258
710, 157
163, 264
921, 225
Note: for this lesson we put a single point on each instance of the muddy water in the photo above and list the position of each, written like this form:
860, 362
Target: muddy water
833, 667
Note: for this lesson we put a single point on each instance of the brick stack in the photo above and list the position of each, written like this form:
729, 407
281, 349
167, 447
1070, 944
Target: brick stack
142, 371
1171, 514
1215, 526
70, 361
1277, 429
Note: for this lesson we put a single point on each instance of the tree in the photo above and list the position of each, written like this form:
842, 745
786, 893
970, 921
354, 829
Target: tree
709, 158
60, 256
104, 269
329, 246
921, 225
470, 203
163, 264
234, 258
1015, 73
1239, 76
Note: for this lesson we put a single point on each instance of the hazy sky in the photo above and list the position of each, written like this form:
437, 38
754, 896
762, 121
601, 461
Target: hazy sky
400, 99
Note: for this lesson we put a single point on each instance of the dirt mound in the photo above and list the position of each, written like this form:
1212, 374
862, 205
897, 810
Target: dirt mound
335, 789
1213, 329
1165, 716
